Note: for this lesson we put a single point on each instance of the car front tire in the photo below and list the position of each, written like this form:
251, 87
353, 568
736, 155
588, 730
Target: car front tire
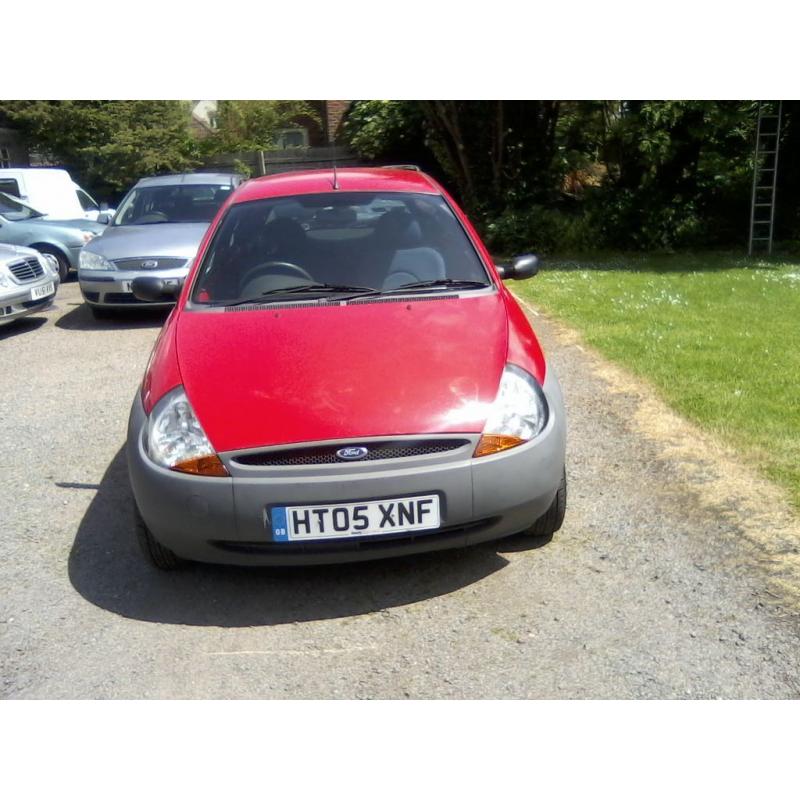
159, 556
553, 518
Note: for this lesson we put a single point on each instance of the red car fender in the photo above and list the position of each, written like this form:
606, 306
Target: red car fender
162, 372
524, 349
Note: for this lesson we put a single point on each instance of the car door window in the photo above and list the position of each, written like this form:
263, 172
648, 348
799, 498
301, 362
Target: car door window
9, 186
16, 212
87, 204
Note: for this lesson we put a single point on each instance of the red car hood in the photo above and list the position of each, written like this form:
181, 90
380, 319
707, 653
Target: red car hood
274, 376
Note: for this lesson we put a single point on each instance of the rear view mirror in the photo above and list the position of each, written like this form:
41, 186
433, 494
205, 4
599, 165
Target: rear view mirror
523, 267
156, 290
104, 206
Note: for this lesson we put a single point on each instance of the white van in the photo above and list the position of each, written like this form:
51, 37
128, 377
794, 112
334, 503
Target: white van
51, 191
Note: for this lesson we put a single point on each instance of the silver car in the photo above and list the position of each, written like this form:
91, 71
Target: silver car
28, 281
155, 232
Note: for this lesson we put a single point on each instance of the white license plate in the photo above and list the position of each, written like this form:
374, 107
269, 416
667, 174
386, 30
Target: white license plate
125, 286
38, 292
305, 523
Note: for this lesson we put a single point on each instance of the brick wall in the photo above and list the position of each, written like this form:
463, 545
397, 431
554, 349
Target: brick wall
329, 129
334, 113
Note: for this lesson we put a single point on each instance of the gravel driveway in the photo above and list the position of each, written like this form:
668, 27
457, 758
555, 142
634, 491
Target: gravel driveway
675, 574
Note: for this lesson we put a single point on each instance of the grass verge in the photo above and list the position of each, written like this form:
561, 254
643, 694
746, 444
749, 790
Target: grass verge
718, 335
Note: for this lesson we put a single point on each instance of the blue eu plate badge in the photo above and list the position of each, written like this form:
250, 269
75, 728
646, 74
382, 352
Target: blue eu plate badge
279, 530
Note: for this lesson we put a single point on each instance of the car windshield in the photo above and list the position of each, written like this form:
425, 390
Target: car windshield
12, 209
149, 205
348, 242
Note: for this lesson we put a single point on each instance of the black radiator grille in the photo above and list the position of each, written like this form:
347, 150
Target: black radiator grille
326, 454
153, 262
29, 269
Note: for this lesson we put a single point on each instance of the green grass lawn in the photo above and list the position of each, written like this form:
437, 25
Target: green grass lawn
718, 335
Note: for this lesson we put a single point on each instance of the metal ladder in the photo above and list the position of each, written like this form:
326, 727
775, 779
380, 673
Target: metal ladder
765, 174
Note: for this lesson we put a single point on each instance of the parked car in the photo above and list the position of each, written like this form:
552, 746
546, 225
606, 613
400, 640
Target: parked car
344, 391
53, 193
23, 225
98, 212
155, 232
28, 281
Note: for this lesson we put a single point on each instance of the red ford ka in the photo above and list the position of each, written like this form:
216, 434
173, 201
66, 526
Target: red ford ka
344, 377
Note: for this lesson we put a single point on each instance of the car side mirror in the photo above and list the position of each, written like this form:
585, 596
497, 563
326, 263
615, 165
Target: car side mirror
104, 217
521, 268
156, 290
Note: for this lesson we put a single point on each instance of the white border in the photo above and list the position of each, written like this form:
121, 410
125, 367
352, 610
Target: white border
415, 49
385, 750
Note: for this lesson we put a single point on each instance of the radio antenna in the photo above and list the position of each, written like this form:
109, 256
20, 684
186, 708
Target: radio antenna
332, 145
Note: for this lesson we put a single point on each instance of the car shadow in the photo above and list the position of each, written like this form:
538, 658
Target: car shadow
106, 568
21, 326
82, 319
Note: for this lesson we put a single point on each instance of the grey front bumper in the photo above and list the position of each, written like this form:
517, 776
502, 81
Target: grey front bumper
111, 288
19, 303
222, 520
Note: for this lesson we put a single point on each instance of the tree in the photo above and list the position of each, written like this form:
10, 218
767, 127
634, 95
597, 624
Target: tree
108, 143
387, 130
252, 124
494, 153
679, 172
553, 173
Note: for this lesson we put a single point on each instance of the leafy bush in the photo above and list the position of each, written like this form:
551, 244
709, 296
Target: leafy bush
564, 175
107, 143
376, 129
539, 230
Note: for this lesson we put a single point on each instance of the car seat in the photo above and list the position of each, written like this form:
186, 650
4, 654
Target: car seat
410, 261
283, 239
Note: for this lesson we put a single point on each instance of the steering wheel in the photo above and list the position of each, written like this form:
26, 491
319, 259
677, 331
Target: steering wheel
274, 268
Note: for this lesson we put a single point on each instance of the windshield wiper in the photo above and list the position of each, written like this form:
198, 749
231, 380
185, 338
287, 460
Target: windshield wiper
312, 288
443, 283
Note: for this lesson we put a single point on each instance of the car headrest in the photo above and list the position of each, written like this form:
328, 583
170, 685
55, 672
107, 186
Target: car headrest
282, 235
398, 229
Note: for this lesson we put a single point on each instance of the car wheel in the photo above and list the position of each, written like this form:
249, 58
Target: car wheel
551, 520
158, 555
63, 264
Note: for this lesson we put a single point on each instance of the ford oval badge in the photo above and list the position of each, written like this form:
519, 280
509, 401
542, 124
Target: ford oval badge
352, 453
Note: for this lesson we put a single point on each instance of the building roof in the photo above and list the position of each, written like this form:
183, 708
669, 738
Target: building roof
350, 179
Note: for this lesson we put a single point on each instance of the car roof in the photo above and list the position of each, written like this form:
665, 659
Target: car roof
348, 179
189, 178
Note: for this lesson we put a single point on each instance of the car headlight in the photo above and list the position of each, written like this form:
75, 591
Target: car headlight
518, 413
89, 260
176, 440
4, 281
49, 262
